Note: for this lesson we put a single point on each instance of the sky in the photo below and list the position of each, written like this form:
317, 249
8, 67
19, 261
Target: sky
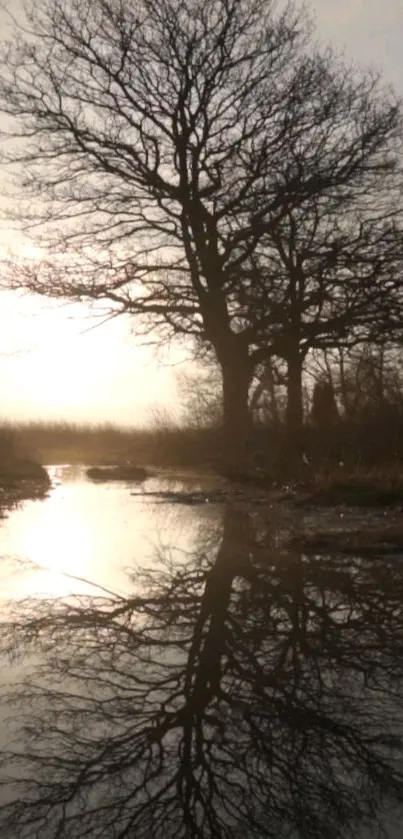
55, 365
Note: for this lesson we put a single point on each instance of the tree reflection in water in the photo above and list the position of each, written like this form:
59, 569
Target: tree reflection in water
249, 690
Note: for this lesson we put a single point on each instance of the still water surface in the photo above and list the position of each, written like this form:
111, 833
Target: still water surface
189, 673
96, 531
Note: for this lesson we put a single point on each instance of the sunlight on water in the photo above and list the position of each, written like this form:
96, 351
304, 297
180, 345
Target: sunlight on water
58, 542
86, 535
276, 666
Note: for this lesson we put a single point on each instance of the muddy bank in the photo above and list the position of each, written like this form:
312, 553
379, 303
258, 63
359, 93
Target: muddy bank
21, 480
117, 473
373, 542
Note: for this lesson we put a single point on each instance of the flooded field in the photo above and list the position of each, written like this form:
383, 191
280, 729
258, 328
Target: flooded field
184, 660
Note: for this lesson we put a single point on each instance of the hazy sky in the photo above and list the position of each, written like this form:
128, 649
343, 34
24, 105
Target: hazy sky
52, 367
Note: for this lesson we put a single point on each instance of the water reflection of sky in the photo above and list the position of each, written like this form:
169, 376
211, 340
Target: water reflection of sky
95, 532
240, 688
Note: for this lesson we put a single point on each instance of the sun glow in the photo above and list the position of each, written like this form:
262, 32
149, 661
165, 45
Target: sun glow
54, 365
60, 360
54, 548
30, 252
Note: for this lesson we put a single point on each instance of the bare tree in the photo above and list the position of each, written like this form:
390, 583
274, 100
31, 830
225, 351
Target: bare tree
200, 394
330, 276
267, 403
366, 378
160, 145
248, 689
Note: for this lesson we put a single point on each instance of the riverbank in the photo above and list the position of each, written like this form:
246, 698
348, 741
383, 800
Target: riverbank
179, 446
21, 480
304, 479
104, 445
11, 496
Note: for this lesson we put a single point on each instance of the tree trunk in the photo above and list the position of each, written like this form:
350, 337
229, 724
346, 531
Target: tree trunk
232, 354
236, 378
295, 410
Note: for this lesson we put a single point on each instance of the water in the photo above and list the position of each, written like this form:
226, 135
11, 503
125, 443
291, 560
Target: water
93, 531
188, 673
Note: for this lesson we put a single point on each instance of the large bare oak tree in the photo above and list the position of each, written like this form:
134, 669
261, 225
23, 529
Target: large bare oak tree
159, 145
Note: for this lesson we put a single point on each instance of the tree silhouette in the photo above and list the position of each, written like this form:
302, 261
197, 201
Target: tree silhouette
246, 689
161, 144
329, 277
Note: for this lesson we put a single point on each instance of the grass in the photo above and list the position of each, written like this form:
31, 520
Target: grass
353, 486
21, 477
358, 486
320, 478
107, 444
368, 542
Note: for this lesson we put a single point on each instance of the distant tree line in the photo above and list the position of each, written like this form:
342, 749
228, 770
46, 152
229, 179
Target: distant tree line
364, 383
205, 167
352, 404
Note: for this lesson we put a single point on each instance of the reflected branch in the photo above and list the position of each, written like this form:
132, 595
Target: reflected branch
247, 689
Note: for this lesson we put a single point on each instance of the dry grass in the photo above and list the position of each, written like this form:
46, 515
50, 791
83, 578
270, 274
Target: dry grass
62, 442
170, 446
387, 476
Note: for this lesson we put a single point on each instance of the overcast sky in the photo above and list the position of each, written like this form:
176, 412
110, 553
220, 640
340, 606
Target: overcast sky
51, 366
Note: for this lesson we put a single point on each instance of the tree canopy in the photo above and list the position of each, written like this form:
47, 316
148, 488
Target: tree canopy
163, 147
